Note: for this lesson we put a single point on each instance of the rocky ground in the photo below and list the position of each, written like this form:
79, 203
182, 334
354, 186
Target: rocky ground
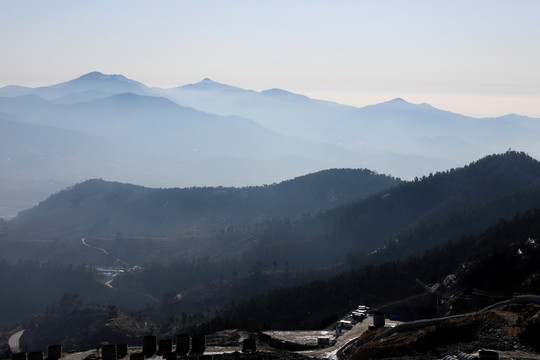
511, 329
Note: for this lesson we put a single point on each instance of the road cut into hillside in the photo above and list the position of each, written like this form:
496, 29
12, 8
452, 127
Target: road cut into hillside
309, 339
14, 341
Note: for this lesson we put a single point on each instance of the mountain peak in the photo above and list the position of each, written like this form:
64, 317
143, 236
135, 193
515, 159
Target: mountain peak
93, 74
397, 102
209, 84
96, 81
401, 102
96, 75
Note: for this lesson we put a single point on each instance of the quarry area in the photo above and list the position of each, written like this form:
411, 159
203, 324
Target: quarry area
508, 331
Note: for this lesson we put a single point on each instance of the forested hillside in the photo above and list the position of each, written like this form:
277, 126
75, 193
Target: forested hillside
405, 205
312, 221
485, 268
453, 224
425, 211
28, 287
100, 208
251, 240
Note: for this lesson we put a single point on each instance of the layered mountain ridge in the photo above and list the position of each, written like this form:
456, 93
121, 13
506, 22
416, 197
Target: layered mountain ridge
314, 220
211, 134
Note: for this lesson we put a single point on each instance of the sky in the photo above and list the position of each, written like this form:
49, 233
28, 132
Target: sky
479, 58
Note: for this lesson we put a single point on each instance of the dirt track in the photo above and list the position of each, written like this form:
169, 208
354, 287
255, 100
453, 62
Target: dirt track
14, 341
310, 337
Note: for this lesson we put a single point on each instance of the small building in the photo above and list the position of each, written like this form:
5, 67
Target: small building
378, 319
345, 324
323, 341
359, 315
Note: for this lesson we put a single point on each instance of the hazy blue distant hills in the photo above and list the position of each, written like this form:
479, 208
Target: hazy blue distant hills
208, 85
282, 111
401, 127
163, 144
90, 86
47, 150
159, 122
398, 137
210, 133
38, 159
15, 90
100, 208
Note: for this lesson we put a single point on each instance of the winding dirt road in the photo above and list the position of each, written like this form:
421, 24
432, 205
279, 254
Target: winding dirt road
83, 240
14, 341
109, 282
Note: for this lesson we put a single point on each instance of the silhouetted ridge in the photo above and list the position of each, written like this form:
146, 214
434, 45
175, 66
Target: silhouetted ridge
96, 78
401, 104
98, 75
499, 260
452, 197
208, 84
142, 210
486, 190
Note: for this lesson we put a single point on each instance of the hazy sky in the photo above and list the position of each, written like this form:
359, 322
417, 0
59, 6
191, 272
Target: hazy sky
480, 58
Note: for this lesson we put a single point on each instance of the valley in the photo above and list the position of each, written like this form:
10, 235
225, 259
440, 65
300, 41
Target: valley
241, 180
134, 275
213, 134
180, 241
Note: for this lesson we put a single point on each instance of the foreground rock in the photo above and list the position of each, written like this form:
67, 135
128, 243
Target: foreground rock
513, 331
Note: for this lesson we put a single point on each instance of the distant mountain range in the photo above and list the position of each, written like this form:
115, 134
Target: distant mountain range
210, 134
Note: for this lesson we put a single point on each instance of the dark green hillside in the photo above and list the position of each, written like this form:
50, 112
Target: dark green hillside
489, 267
405, 205
28, 287
454, 224
100, 208
271, 223
476, 195
76, 211
80, 326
